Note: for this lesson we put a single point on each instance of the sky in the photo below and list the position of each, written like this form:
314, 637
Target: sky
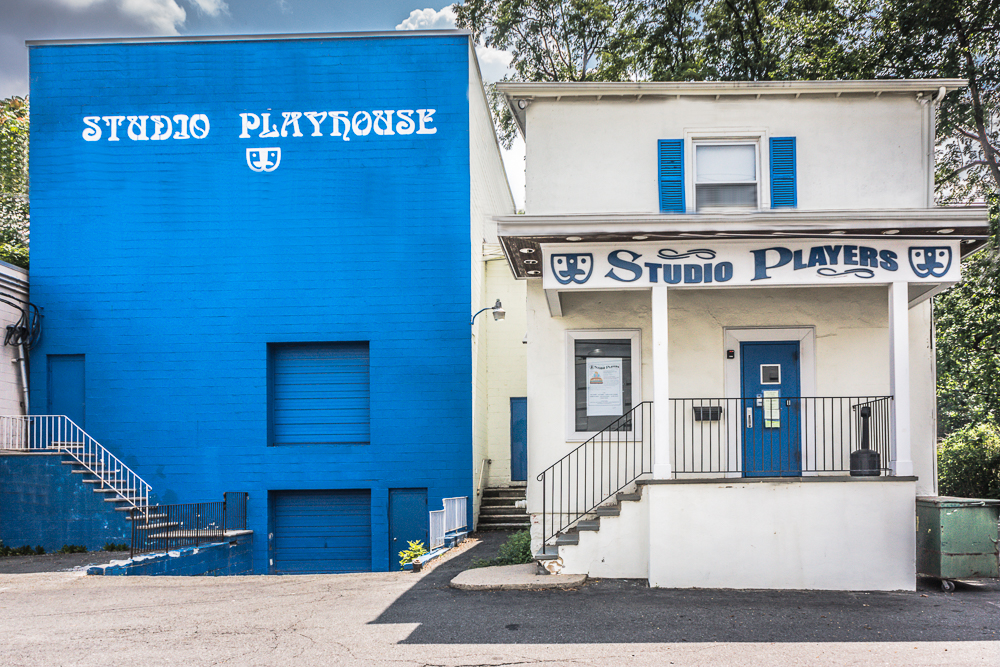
22, 20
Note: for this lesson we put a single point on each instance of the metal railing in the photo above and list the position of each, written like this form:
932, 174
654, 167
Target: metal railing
436, 529
58, 432
455, 511
775, 437
579, 482
168, 527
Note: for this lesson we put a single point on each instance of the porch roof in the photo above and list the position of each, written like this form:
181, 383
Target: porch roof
518, 232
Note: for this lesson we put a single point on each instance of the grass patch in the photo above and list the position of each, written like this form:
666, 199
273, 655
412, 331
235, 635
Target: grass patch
515, 551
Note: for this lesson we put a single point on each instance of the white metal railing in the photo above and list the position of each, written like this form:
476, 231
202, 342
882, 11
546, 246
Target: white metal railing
455, 512
58, 432
437, 529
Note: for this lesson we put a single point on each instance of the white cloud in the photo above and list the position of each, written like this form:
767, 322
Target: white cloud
212, 7
163, 16
493, 63
159, 16
429, 19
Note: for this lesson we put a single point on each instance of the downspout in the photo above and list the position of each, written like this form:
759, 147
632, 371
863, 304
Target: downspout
23, 361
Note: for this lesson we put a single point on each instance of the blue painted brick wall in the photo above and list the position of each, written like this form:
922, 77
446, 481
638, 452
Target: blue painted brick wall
171, 264
42, 503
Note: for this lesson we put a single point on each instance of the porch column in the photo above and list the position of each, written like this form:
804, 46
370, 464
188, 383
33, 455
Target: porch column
661, 386
899, 377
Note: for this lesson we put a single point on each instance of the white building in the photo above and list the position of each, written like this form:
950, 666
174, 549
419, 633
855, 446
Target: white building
726, 282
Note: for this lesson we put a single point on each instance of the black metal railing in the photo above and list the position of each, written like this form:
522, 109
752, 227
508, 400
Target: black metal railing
592, 473
776, 436
166, 527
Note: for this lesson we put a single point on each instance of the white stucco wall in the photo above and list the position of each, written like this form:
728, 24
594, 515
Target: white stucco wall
619, 550
856, 151
13, 283
489, 196
507, 363
851, 358
785, 535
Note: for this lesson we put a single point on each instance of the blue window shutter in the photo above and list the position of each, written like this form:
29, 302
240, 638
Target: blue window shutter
671, 153
783, 194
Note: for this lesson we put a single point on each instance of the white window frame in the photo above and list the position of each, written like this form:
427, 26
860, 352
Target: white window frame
727, 135
634, 337
756, 181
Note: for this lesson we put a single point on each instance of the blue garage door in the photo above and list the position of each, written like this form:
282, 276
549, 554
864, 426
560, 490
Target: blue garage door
319, 394
321, 531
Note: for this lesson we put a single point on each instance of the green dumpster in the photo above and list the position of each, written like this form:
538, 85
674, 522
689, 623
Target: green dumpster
957, 537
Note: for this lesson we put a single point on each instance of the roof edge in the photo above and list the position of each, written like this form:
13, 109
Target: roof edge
248, 38
655, 88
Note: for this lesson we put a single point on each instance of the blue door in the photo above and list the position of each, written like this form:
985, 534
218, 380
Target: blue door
66, 387
518, 439
321, 531
408, 520
771, 438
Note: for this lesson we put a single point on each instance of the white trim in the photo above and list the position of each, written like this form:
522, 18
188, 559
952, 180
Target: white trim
635, 338
700, 136
732, 337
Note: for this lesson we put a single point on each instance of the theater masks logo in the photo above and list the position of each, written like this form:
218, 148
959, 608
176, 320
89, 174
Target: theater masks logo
572, 267
263, 159
930, 261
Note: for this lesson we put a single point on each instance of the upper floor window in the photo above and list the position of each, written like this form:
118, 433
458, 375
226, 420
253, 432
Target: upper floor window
726, 176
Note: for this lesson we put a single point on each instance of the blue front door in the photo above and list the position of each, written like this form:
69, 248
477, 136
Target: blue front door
66, 387
770, 406
408, 521
518, 439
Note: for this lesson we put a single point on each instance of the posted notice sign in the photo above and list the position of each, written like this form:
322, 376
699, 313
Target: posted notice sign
604, 387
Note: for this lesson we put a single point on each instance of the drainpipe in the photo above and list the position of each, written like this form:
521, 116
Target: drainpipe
23, 360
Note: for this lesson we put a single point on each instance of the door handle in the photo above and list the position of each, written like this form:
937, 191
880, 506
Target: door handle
749, 417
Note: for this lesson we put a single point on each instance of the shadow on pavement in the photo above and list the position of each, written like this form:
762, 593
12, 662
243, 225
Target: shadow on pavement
57, 562
628, 611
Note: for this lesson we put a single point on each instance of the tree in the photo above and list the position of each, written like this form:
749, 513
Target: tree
14, 215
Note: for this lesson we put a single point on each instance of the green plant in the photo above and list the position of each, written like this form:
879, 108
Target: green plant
416, 550
515, 551
114, 546
969, 463
73, 549
26, 550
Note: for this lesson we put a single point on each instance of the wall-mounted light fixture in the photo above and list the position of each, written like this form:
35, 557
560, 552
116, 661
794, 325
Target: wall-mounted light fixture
498, 312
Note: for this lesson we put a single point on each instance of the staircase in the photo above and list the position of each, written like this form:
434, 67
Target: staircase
504, 508
98, 467
592, 522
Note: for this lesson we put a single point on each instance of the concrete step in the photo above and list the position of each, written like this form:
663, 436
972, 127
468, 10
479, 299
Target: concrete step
588, 524
504, 518
500, 502
502, 526
500, 509
629, 497
517, 493
608, 510
568, 538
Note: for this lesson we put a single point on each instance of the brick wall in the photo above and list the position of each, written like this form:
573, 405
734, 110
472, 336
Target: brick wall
171, 264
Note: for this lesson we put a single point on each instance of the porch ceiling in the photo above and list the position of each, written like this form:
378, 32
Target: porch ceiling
521, 236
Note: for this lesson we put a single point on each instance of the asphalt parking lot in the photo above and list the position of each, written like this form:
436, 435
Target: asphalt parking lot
64, 618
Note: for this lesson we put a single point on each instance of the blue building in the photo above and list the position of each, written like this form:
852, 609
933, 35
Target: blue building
256, 259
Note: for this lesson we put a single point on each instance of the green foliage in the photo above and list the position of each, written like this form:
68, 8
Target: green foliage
114, 546
515, 551
73, 549
26, 550
14, 213
969, 463
967, 322
416, 550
